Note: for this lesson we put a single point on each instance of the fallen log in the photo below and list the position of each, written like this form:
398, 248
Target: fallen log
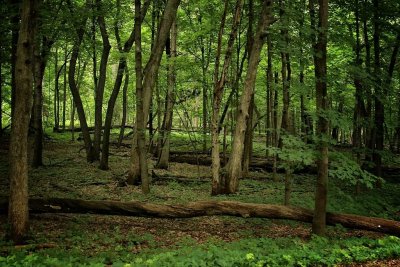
204, 208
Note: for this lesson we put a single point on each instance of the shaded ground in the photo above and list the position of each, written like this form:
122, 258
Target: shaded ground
66, 174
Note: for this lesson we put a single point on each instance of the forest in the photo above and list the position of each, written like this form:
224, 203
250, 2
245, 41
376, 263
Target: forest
199, 133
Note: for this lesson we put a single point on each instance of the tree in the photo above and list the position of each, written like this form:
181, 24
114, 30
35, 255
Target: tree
319, 54
169, 100
122, 67
80, 31
234, 165
18, 202
149, 78
219, 83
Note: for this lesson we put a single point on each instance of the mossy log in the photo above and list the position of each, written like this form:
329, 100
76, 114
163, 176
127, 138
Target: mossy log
205, 208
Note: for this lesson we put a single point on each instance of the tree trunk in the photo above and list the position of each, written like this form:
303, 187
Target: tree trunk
319, 47
64, 106
276, 127
99, 88
248, 141
248, 137
206, 208
124, 106
234, 166
41, 53
165, 132
15, 25
56, 94
18, 201
140, 118
219, 84
75, 92
39, 67
270, 95
379, 95
149, 78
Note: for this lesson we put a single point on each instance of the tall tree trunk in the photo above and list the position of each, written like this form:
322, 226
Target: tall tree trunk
169, 102
122, 65
270, 96
285, 72
41, 53
39, 67
359, 108
204, 68
276, 127
15, 25
140, 118
56, 94
320, 52
18, 201
149, 78
64, 106
248, 137
75, 91
219, 84
379, 95
124, 107
99, 93
234, 166
368, 136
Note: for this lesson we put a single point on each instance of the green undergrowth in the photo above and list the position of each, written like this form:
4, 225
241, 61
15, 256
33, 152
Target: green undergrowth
247, 252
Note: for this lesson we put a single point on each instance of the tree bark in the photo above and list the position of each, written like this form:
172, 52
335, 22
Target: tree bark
379, 96
219, 84
99, 87
320, 52
124, 106
75, 91
166, 127
15, 25
149, 78
248, 137
18, 201
206, 208
234, 166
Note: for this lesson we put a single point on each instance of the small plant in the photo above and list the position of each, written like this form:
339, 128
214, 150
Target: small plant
343, 167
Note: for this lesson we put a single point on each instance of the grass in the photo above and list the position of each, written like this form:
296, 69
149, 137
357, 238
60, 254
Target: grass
97, 240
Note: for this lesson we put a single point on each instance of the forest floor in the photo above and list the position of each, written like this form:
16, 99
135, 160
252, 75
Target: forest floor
114, 240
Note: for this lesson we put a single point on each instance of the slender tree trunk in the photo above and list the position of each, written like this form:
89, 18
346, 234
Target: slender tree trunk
276, 128
15, 25
379, 95
204, 67
124, 106
149, 78
64, 90
163, 160
269, 98
234, 166
39, 67
248, 137
56, 94
75, 91
99, 93
140, 118
18, 201
359, 108
122, 65
219, 83
319, 220
41, 53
